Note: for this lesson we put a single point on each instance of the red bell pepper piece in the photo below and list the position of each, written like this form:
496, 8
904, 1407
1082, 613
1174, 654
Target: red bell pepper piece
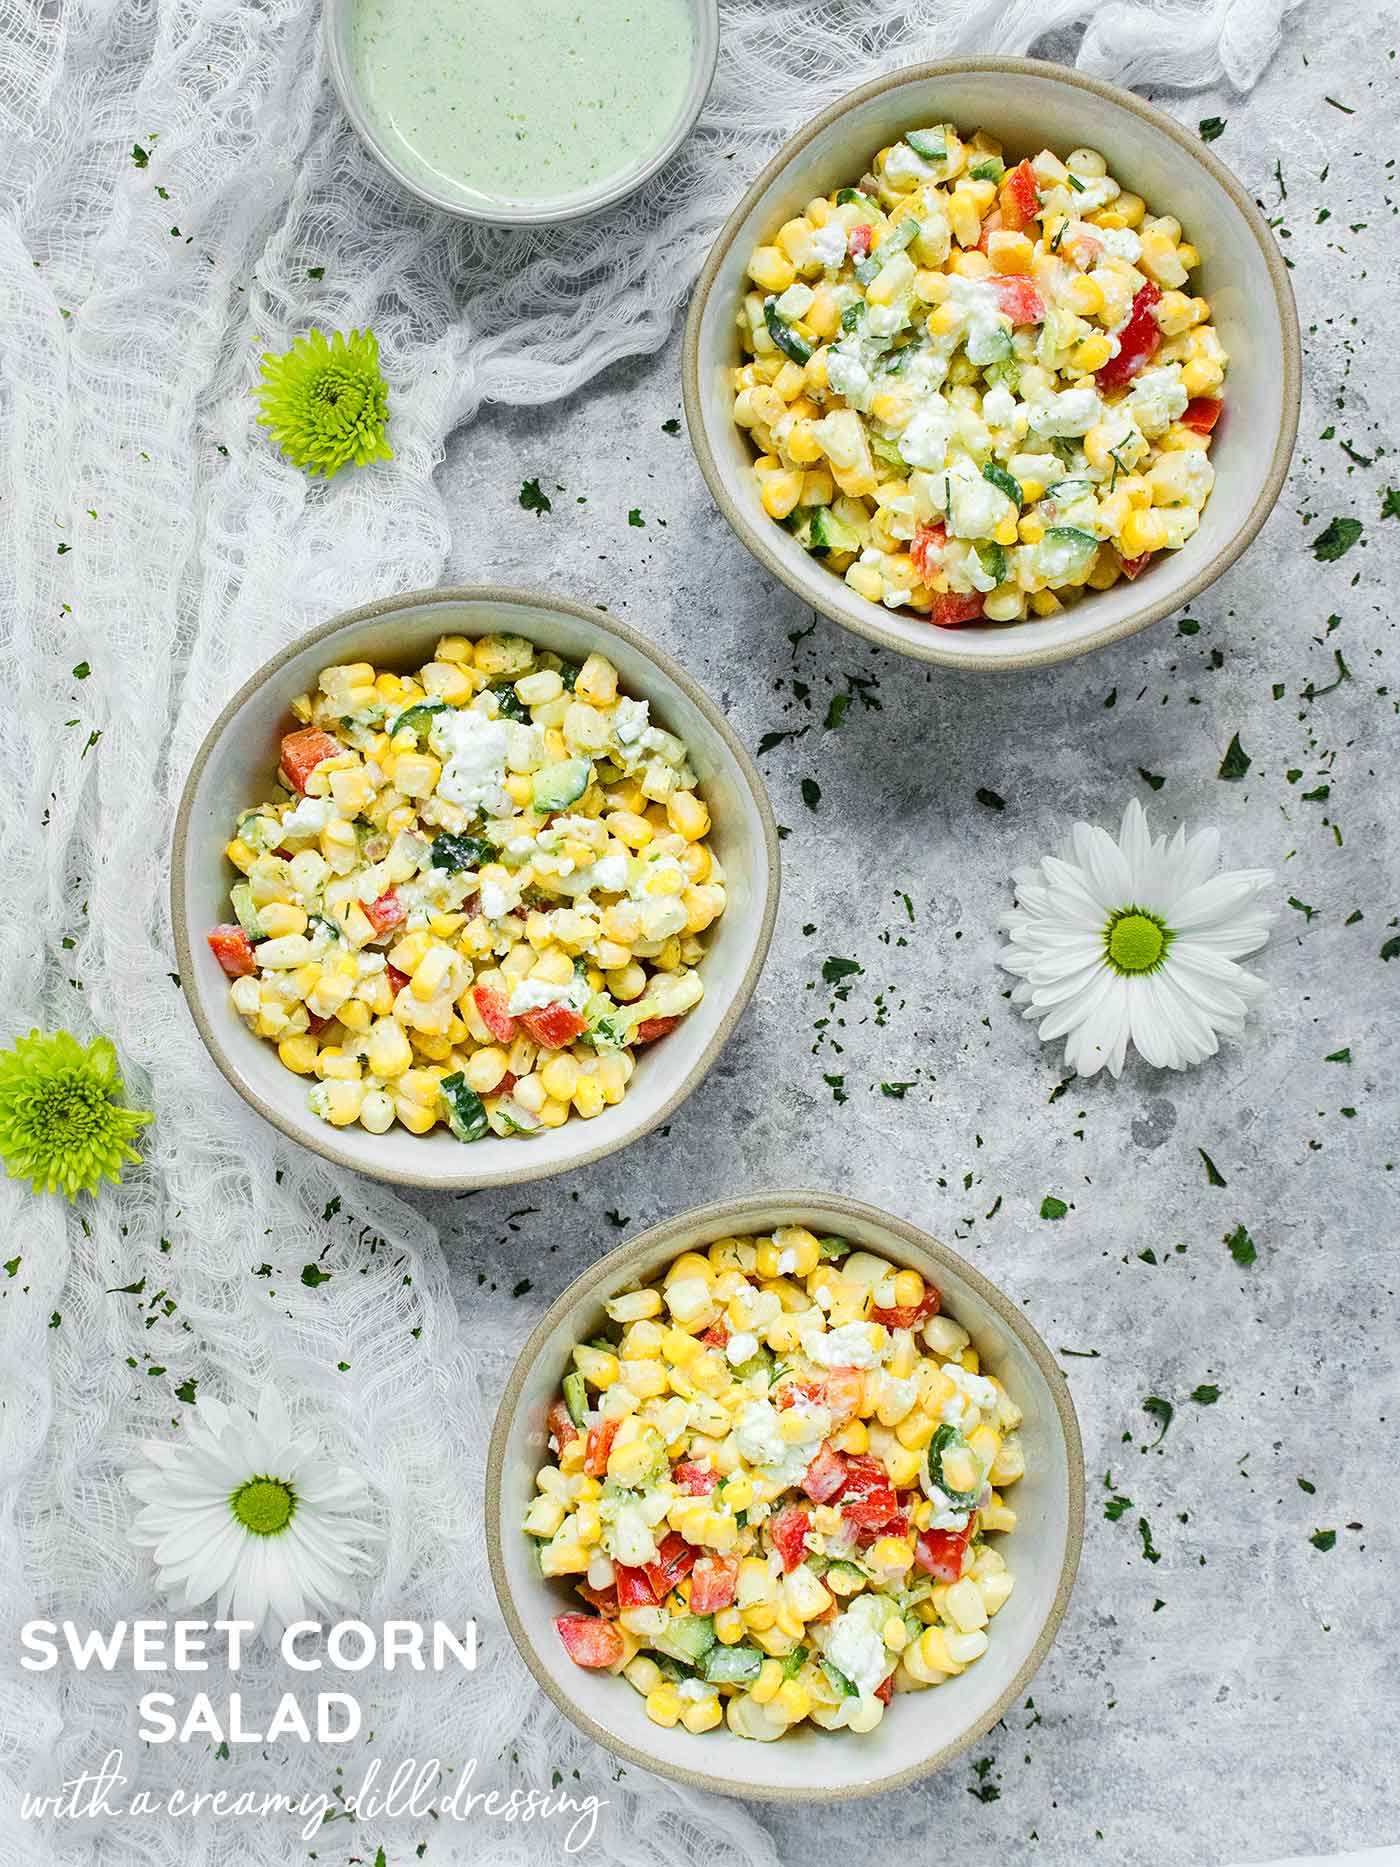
589, 1641
942, 1553
491, 1007
949, 609
1201, 413
650, 1029
233, 950
552, 1026
885, 1690
1020, 198
789, 1533
1132, 568
843, 1392
927, 540
716, 1336
713, 1581
303, 751
867, 1498
1018, 297
603, 1599
860, 242
634, 1587
825, 1476
561, 1425
397, 980
698, 1480
1137, 340
388, 911
595, 1453
910, 1315
505, 1085
675, 1558
992, 224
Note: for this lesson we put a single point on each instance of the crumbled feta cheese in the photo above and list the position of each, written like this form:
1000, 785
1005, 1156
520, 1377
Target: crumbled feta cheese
740, 1347
829, 244
1073, 411
999, 406
308, 818
849, 377
1157, 398
1121, 242
758, 1434
696, 1689
473, 749
610, 873
847, 1347
531, 994
856, 1645
924, 442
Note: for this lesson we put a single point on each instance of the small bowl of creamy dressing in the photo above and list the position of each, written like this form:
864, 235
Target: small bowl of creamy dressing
522, 112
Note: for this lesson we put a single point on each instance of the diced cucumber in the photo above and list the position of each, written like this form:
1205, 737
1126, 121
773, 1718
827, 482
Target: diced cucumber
795, 1661
833, 1249
241, 894
794, 347
854, 316
731, 1665
855, 1575
575, 1396
510, 703
993, 560
989, 346
687, 1637
845, 196
419, 716
888, 454
830, 533
866, 270
932, 145
761, 1361
558, 786
838, 1678
1007, 374
568, 674
1003, 481
989, 169
902, 234
1076, 549
466, 1112
899, 360
944, 1439
460, 852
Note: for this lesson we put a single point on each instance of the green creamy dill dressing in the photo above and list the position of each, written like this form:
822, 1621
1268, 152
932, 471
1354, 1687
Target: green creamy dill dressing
521, 100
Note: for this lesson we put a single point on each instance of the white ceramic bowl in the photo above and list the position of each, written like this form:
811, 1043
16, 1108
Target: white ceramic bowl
1030, 105
234, 769
467, 204
921, 1731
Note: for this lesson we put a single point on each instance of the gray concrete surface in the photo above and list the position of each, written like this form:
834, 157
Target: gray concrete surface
1231, 1695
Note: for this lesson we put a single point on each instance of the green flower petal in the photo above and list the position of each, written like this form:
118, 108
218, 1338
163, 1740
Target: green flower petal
325, 403
62, 1127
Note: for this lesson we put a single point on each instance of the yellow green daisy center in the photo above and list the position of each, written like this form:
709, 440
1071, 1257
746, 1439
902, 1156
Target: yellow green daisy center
264, 1506
1136, 942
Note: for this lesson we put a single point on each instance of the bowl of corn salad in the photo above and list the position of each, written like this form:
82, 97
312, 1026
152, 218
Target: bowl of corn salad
994, 363
784, 1468
470, 886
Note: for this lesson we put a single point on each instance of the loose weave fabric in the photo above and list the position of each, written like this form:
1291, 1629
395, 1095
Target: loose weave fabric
179, 191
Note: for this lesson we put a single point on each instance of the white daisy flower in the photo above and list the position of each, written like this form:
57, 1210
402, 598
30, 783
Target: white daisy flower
1136, 941
244, 1509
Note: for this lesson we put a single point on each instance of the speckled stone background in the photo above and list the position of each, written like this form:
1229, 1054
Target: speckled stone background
1223, 1689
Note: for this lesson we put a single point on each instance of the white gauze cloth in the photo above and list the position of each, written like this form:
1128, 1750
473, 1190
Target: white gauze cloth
147, 528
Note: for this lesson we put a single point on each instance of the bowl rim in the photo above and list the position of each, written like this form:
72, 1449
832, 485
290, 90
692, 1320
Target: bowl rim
555, 209
735, 1216
1151, 609
502, 596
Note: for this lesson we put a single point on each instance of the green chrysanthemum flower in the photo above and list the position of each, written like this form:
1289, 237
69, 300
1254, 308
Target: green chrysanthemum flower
326, 402
62, 1125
